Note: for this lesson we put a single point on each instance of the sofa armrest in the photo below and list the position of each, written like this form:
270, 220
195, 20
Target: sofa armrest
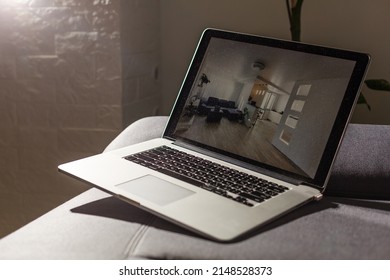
362, 166
142, 130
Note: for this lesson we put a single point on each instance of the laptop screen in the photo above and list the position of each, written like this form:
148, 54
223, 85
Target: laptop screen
267, 102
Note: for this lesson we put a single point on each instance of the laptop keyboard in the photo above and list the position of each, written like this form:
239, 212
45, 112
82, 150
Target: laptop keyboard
233, 184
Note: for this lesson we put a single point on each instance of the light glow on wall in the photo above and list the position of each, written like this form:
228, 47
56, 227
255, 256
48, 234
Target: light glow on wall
13, 2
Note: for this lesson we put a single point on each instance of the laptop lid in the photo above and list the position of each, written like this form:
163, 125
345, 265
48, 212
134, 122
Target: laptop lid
270, 105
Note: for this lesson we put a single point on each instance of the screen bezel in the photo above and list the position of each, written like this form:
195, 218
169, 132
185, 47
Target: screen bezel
349, 100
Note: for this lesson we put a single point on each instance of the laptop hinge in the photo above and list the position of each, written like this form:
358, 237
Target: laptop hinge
318, 197
312, 186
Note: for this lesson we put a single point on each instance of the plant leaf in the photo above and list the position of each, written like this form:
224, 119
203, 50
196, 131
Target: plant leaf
363, 100
378, 84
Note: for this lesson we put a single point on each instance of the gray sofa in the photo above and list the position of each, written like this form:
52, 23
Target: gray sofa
94, 225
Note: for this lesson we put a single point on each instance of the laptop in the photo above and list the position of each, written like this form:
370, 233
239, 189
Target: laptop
253, 135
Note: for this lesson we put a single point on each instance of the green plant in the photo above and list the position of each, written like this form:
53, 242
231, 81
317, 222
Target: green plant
374, 84
294, 8
204, 80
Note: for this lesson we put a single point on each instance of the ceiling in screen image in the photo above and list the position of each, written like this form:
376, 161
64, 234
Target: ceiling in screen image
235, 60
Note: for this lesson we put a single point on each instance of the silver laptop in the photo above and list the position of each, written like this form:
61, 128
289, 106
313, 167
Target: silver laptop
253, 135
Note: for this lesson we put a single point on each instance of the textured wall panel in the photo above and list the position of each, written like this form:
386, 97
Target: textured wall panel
73, 74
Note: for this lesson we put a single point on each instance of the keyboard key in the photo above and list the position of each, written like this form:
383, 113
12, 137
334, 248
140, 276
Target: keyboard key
221, 180
181, 177
252, 197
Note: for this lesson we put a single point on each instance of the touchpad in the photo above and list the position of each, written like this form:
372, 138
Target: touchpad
155, 190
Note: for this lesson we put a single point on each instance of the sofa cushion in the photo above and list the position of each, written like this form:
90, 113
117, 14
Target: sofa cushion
212, 101
231, 104
334, 228
223, 103
95, 225
362, 166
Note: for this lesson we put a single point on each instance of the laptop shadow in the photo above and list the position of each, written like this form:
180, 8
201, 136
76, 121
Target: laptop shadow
114, 208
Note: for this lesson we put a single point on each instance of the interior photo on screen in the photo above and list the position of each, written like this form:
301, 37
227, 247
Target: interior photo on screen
261, 102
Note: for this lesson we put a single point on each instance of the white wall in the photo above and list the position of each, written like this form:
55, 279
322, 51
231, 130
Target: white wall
351, 24
223, 88
317, 116
244, 96
280, 104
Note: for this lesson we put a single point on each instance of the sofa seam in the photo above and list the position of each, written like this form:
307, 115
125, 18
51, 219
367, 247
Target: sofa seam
138, 237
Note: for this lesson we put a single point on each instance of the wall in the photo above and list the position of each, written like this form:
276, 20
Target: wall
318, 114
323, 22
182, 23
140, 52
70, 81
